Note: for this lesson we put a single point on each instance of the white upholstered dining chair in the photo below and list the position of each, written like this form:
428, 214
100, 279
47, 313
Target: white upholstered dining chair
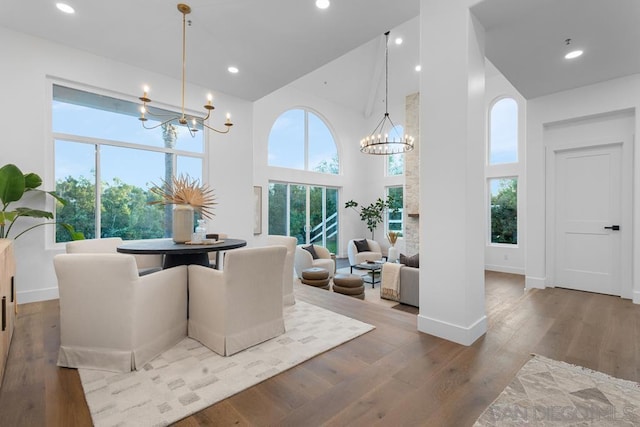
287, 278
113, 319
108, 245
240, 306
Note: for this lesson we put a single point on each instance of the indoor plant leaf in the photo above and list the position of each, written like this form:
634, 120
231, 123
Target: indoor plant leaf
12, 184
32, 180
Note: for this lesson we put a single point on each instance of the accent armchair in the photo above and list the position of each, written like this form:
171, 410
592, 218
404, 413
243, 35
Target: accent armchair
108, 245
287, 278
356, 257
111, 318
304, 260
241, 306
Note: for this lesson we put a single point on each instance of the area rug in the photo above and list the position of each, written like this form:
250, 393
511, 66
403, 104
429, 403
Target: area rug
547, 392
190, 377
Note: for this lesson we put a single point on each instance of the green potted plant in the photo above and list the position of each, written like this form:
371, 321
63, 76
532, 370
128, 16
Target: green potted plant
373, 214
13, 186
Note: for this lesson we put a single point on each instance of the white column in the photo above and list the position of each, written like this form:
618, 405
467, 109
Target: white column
452, 189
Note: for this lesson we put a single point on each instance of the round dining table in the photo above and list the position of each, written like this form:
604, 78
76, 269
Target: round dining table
181, 253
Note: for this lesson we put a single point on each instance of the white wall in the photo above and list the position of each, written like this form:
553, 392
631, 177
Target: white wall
610, 96
361, 175
507, 258
27, 62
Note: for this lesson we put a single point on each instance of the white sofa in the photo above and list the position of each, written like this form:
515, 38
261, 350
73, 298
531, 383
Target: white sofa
111, 318
355, 257
304, 260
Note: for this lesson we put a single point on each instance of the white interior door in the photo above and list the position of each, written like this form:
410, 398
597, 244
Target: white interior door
588, 209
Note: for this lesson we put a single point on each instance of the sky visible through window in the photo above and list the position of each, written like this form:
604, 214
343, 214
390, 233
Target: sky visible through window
503, 147
287, 142
134, 166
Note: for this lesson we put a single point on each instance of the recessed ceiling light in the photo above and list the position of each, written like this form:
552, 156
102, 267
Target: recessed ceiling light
322, 4
573, 54
233, 70
63, 7
399, 40
418, 67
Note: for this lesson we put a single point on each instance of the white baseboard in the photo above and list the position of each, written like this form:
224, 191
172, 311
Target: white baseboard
636, 297
534, 282
504, 269
37, 295
465, 335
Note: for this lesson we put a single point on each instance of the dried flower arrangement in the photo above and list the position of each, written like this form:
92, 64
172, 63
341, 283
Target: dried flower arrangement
183, 190
392, 236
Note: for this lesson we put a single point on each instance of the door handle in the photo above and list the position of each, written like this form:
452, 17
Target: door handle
613, 227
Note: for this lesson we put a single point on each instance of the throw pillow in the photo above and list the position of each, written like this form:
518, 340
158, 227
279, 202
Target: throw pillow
362, 245
312, 251
410, 261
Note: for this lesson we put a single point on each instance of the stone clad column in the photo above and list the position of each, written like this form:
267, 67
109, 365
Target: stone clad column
412, 176
452, 153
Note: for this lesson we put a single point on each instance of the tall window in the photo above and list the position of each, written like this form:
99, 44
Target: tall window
307, 212
503, 132
504, 210
105, 163
300, 139
395, 162
394, 220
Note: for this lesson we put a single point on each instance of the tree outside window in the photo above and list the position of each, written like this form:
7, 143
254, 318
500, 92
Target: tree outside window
504, 210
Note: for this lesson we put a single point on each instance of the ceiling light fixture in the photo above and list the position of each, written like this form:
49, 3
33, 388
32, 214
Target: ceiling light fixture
418, 67
574, 53
322, 4
391, 142
233, 70
399, 40
63, 7
190, 121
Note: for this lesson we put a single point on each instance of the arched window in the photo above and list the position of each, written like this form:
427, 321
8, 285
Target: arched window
503, 132
395, 162
300, 139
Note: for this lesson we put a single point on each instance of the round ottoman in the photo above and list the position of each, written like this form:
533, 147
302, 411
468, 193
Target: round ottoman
349, 284
316, 277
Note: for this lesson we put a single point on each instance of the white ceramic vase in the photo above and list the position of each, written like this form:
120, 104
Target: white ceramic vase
392, 254
182, 223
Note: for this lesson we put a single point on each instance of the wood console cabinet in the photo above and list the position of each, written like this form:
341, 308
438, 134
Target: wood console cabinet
7, 300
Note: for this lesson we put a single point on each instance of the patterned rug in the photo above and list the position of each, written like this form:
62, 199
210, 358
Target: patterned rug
547, 392
190, 377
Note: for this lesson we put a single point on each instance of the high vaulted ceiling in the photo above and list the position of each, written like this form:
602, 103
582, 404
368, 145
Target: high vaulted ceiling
337, 53
271, 42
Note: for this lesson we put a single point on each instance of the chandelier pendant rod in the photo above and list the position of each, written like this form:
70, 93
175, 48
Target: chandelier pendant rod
183, 119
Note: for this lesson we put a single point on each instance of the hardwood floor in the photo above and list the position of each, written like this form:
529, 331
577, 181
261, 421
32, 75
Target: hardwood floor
393, 375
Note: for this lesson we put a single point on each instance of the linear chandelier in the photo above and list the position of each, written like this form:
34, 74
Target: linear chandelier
190, 121
391, 141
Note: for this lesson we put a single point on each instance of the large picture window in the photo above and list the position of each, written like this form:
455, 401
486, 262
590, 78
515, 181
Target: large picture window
307, 212
300, 139
105, 163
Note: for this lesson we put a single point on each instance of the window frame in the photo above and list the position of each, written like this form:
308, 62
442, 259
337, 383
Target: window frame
504, 171
306, 142
493, 104
401, 211
50, 232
